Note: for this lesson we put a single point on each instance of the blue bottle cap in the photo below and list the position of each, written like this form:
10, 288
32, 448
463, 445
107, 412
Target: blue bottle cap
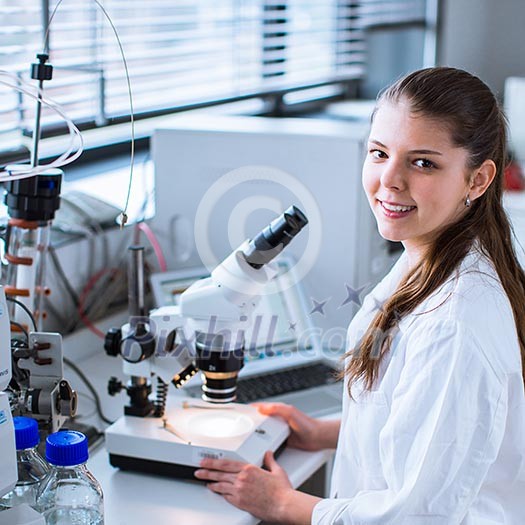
66, 448
26, 432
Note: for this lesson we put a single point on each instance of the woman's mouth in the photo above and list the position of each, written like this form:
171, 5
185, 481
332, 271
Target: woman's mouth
395, 211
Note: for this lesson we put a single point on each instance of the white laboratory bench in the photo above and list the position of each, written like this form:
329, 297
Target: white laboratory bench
134, 498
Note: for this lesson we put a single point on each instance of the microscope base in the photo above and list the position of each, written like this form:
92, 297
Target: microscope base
174, 447
159, 468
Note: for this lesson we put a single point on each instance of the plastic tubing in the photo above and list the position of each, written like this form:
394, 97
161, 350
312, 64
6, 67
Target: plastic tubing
148, 232
65, 158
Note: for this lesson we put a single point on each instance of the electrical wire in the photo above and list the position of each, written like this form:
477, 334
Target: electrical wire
66, 327
118, 287
105, 294
99, 299
81, 309
67, 321
90, 387
93, 224
124, 217
102, 296
65, 281
92, 231
25, 308
88, 414
45, 43
115, 287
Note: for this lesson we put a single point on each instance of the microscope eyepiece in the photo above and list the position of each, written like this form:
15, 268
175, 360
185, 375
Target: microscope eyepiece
275, 237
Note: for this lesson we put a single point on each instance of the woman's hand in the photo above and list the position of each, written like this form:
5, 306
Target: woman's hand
266, 494
307, 433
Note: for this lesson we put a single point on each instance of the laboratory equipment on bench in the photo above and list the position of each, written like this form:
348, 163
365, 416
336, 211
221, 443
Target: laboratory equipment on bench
21, 514
206, 332
38, 388
31, 203
31, 368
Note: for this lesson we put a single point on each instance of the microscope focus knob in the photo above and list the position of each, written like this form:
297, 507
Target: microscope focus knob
138, 345
114, 386
112, 341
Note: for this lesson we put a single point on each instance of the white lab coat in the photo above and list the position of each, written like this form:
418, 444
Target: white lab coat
441, 438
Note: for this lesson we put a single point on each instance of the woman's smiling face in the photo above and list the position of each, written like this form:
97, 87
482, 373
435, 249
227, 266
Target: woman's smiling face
415, 179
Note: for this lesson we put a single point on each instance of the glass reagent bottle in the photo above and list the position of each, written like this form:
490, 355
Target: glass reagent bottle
32, 468
69, 495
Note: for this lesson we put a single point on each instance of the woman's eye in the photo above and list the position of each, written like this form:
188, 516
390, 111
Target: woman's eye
425, 164
378, 154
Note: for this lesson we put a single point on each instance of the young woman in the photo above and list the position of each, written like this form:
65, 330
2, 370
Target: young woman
433, 426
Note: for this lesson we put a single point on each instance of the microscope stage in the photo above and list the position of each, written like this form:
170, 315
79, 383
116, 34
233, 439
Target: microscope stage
175, 445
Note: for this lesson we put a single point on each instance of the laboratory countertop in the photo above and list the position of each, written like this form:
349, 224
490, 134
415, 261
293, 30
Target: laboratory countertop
134, 499
131, 498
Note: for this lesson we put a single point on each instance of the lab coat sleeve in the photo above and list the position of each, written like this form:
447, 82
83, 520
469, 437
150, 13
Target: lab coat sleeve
444, 430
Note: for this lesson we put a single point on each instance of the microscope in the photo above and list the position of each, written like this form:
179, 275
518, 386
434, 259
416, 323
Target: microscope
206, 332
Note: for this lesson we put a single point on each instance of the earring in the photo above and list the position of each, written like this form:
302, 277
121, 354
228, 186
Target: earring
467, 202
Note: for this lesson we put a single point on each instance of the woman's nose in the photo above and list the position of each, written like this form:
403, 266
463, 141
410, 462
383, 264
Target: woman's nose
392, 176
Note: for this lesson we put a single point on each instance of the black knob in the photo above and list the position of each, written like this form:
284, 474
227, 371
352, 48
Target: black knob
138, 345
42, 71
114, 386
112, 341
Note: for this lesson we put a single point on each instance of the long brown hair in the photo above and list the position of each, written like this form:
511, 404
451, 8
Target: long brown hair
472, 114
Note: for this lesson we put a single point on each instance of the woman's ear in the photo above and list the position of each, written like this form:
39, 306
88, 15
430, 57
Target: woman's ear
481, 179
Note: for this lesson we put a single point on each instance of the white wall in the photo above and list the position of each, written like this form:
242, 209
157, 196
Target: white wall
486, 37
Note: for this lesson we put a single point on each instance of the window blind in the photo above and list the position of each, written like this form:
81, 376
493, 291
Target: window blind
20, 32
185, 52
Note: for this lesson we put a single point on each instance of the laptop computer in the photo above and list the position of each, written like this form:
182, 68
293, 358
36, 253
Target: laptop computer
284, 359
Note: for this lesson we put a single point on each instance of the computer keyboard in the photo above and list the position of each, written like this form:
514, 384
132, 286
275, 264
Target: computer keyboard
284, 382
